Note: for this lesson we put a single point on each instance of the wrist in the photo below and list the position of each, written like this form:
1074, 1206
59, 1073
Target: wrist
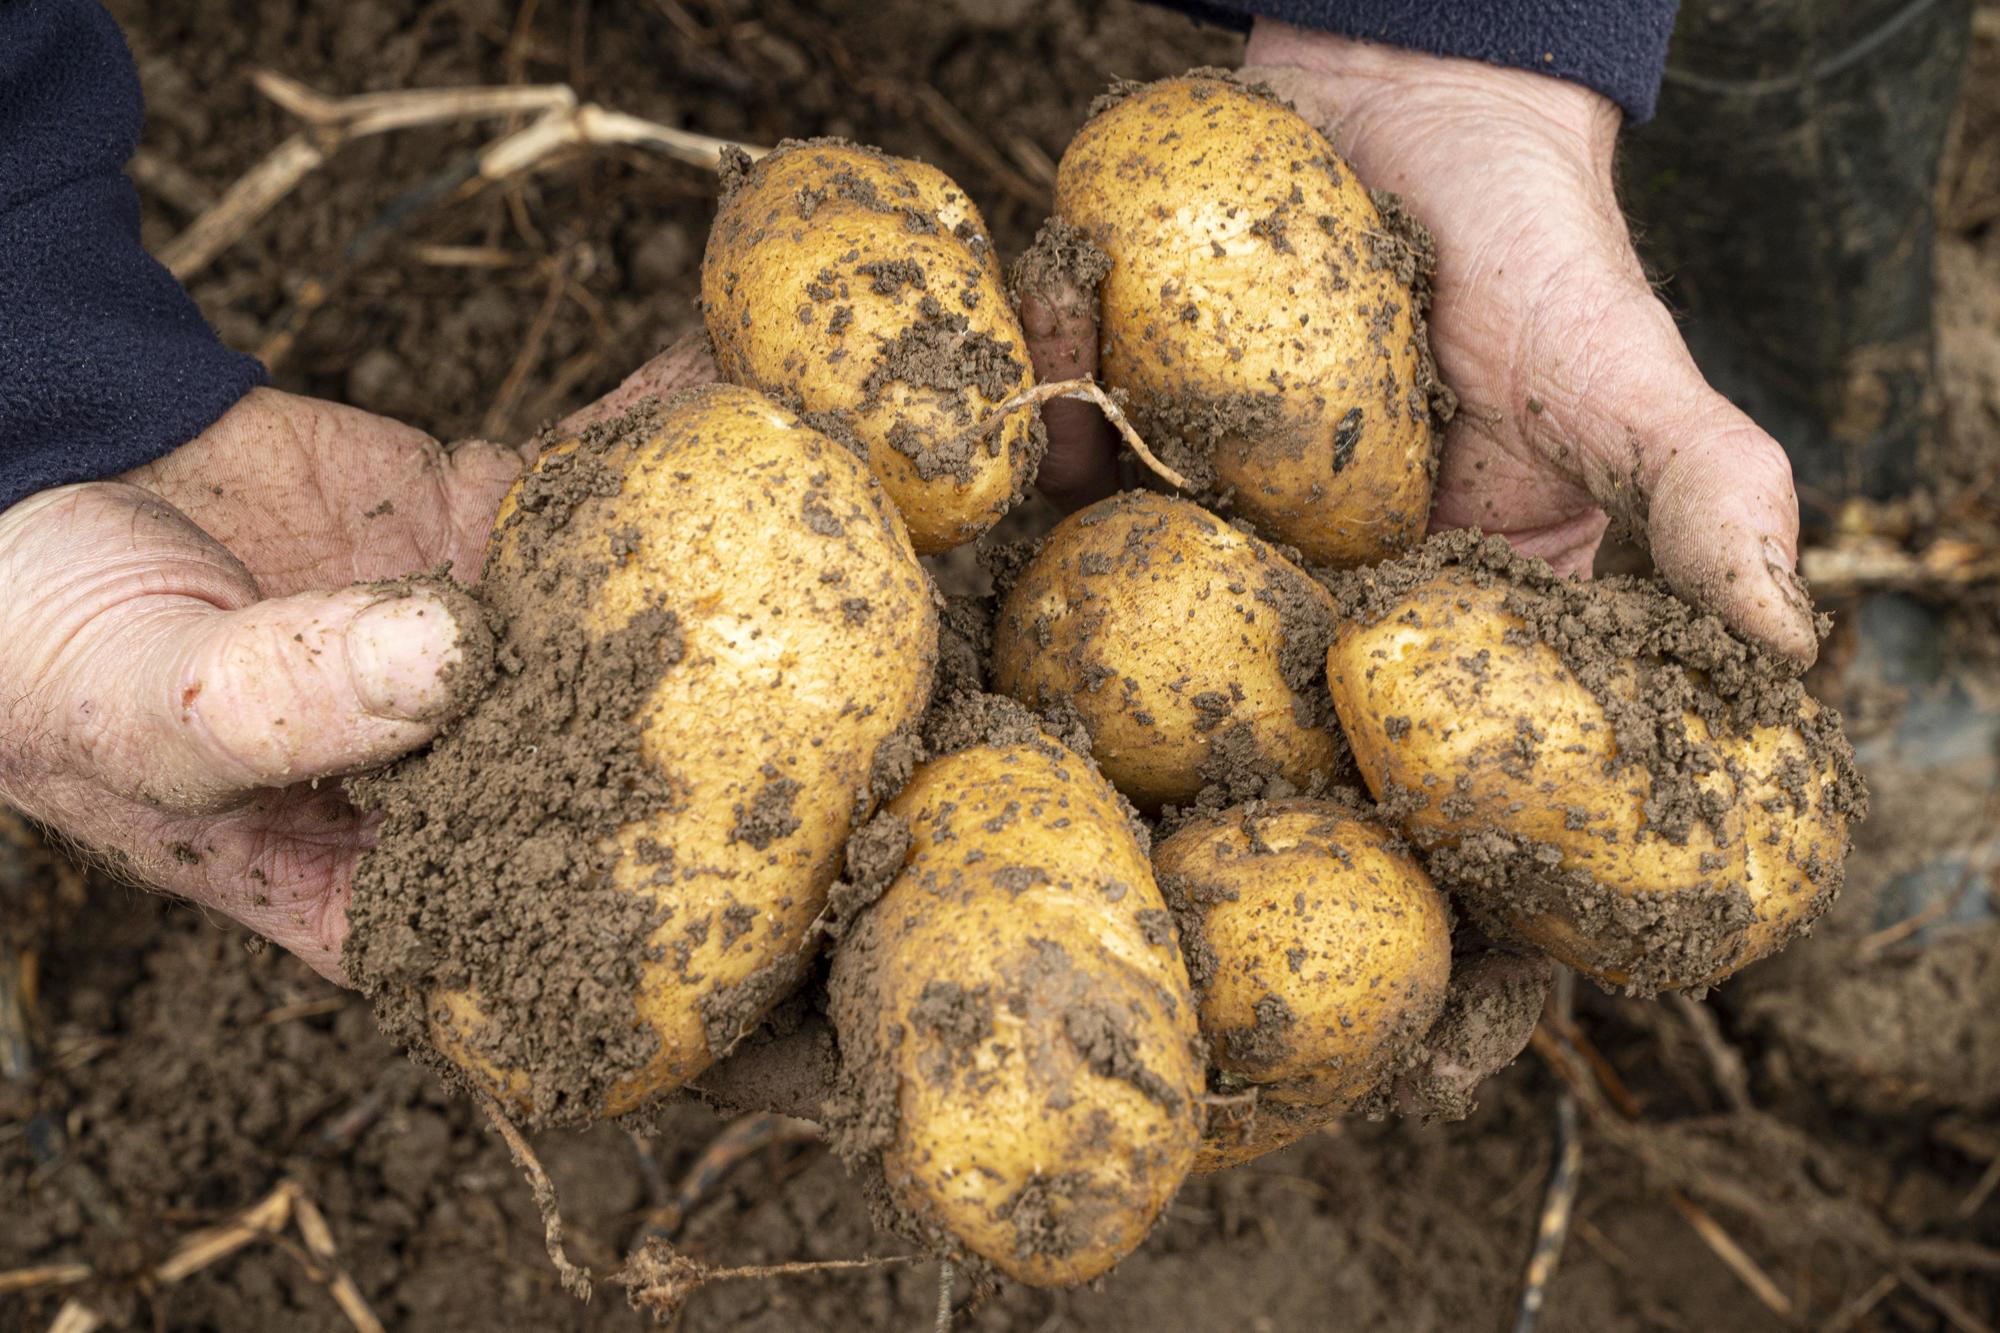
1364, 91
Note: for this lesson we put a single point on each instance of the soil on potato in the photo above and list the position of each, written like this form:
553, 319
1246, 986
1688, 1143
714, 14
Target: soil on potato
179, 1073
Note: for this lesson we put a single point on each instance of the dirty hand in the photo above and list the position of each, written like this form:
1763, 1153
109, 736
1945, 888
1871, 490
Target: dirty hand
1577, 395
178, 680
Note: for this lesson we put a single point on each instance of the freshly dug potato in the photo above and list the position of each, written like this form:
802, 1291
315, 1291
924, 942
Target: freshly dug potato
1262, 312
1015, 1024
1613, 776
1192, 652
862, 290
716, 626
1318, 947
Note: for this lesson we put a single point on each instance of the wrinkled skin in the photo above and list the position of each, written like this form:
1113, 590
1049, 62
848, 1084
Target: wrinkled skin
178, 680
1577, 396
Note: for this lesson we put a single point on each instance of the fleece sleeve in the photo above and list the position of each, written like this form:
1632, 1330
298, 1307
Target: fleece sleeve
1617, 47
105, 363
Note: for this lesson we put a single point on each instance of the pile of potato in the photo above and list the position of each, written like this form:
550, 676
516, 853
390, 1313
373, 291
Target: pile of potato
1136, 916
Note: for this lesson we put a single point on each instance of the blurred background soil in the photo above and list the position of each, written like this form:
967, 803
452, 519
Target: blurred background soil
1818, 1148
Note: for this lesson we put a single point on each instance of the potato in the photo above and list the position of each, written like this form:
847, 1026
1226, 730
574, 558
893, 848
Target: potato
1318, 947
1015, 1021
806, 638
861, 289
1192, 652
1261, 312
1653, 804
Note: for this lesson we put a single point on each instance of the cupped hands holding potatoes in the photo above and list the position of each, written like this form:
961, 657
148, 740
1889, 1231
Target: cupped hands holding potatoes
694, 736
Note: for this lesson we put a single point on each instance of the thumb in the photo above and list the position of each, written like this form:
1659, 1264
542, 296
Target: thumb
683, 365
1723, 524
1624, 410
208, 703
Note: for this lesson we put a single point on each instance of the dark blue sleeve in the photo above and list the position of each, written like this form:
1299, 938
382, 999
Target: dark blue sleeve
105, 363
1618, 47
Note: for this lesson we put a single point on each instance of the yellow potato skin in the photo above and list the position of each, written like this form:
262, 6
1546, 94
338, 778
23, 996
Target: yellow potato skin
1422, 720
1026, 885
736, 505
1136, 608
1243, 268
797, 305
1307, 905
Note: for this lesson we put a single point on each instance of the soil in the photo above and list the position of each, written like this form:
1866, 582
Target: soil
1845, 1092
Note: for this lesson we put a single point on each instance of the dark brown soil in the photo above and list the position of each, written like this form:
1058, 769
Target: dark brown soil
178, 1073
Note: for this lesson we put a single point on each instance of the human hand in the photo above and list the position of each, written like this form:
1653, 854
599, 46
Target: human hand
1576, 394
178, 680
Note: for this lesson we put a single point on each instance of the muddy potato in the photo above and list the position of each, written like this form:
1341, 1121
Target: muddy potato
1640, 841
807, 641
1319, 951
1192, 651
1015, 1020
1259, 310
862, 289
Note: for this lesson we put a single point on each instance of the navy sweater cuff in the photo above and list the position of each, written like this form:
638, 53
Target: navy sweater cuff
1617, 47
105, 363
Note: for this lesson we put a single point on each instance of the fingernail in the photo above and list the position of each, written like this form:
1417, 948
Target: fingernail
398, 652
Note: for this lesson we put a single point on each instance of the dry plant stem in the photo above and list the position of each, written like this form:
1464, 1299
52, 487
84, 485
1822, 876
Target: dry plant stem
1575, 1069
946, 1272
1857, 1309
738, 1141
43, 1275
334, 122
1086, 390
1947, 562
1565, 1174
76, 1317
263, 1218
319, 1243
1724, 1061
575, 1280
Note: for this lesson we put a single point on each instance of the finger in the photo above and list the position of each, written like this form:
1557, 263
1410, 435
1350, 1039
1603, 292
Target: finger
286, 690
1495, 1001
1709, 491
685, 364
1723, 525
1055, 290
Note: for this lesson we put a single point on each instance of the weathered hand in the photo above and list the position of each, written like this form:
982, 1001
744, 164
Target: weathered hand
178, 681
1576, 393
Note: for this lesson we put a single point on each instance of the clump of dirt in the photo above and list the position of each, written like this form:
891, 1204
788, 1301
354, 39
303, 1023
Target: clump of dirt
1649, 660
491, 874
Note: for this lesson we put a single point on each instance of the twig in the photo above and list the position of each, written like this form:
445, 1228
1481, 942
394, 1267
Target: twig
1978, 864
1087, 390
1857, 1309
1723, 1059
1571, 1066
946, 1272
76, 1317
265, 1217
1732, 1254
319, 1243
1942, 1301
530, 355
1557, 1204
575, 1280
43, 1275
334, 122
1875, 562
739, 1139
